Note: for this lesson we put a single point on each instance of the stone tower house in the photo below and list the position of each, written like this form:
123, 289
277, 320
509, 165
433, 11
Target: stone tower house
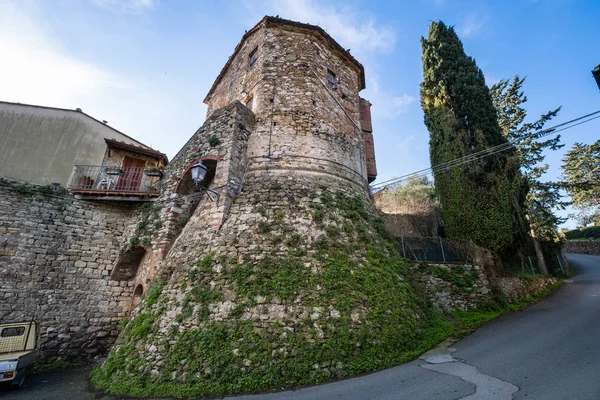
303, 88
282, 274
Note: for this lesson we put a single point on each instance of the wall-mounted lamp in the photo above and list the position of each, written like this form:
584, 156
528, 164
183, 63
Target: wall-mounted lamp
198, 172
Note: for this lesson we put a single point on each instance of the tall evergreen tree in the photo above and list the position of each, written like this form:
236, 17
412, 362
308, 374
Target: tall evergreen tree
530, 142
480, 200
581, 174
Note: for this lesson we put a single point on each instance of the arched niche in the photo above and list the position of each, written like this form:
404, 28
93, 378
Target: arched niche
186, 184
138, 293
139, 290
128, 264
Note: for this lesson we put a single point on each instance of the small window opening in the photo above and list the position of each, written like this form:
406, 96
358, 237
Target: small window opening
274, 123
252, 58
250, 102
331, 79
13, 331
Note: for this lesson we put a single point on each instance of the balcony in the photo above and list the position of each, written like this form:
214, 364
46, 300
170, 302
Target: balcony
95, 182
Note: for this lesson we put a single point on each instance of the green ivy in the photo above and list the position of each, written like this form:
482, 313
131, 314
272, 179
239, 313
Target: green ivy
369, 315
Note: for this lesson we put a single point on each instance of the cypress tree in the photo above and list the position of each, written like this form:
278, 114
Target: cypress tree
480, 200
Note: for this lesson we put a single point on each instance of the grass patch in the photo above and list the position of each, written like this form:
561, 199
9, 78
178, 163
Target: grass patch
362, 314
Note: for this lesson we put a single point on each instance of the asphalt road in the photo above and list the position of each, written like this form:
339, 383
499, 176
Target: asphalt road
548, 351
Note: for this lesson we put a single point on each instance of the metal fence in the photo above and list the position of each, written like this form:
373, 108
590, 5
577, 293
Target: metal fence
436, 249
117, 179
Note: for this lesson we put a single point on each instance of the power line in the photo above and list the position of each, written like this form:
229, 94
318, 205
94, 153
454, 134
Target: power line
484, 153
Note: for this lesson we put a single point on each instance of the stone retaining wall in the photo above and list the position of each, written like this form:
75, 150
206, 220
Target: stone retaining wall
461, 287
583, 247
517, 289
56, 257
453, 287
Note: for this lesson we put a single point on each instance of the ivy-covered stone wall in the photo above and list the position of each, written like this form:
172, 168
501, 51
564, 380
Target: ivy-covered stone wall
463, 287
453, 287
300, 284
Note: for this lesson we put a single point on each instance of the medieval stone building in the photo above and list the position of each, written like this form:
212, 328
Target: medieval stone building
271, 257
275, 255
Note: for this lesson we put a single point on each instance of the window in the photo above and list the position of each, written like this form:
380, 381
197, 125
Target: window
252, 58
330, 79
13, 331
250, 102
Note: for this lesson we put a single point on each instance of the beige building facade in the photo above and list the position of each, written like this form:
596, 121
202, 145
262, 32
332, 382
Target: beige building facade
41, 145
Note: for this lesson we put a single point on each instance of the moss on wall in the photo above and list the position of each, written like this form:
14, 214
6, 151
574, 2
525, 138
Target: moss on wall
334, 305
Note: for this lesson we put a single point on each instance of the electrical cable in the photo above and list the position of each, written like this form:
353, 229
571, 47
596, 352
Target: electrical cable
483, 153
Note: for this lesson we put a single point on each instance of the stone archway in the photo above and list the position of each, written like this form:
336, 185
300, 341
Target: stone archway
128, 264
186, 184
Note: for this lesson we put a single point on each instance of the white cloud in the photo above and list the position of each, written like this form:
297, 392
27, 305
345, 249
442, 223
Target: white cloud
41, 71
127, 6
472, 24
351, 28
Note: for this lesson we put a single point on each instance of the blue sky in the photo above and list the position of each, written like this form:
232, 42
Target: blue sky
146, 65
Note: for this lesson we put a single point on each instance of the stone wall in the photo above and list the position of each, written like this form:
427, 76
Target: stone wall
461, 287
56, 257
517, 289
301, 123
583, 247
453, 287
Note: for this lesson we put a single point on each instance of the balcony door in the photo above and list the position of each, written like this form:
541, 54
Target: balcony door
133, 171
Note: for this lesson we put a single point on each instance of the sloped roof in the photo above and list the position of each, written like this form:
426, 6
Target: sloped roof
86, 115
137, 149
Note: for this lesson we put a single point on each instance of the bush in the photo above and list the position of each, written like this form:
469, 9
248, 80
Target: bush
584, 233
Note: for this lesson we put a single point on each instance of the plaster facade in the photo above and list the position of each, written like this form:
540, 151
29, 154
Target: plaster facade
40, 145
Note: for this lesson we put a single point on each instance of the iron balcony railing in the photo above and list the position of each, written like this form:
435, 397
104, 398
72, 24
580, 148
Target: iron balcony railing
94, 178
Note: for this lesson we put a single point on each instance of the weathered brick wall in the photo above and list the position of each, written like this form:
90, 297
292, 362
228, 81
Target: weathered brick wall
583, 247
56, 256
232, 126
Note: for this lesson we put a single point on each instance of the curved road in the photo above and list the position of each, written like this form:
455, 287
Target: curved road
549, 351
